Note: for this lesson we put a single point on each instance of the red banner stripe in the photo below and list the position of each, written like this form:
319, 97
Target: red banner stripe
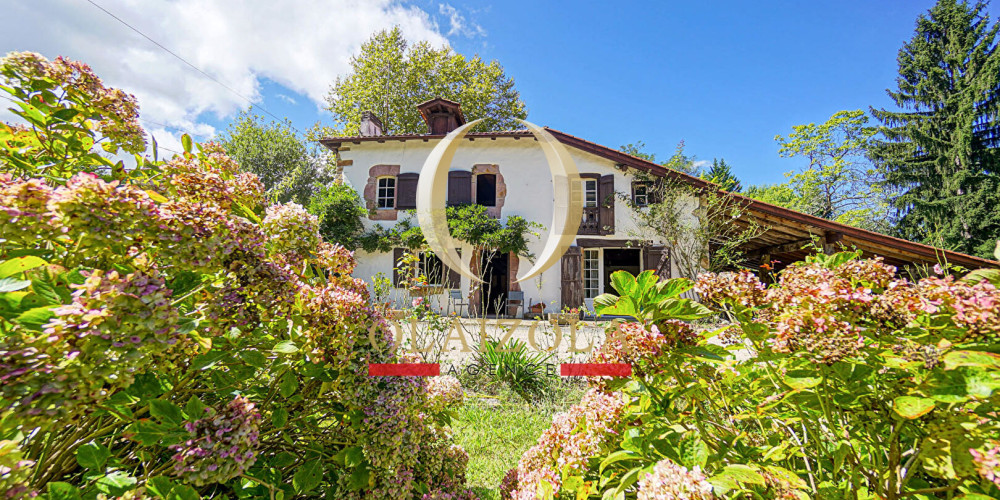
404, 369
595, 370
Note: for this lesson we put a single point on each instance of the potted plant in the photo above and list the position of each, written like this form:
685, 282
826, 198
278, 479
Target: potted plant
538, 308
568, 316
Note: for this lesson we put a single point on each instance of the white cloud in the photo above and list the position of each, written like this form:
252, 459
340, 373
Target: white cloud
302, 45
288, 99
458, 24
701, 164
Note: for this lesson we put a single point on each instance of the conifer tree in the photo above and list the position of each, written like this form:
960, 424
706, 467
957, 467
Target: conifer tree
940, 150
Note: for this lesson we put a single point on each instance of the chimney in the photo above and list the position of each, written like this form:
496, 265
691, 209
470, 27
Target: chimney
370, 124
441, 115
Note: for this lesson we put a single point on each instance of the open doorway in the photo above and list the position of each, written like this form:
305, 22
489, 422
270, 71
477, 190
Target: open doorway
620, 259
494, 293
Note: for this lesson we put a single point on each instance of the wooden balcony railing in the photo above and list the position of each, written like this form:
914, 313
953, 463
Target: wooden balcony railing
591, 221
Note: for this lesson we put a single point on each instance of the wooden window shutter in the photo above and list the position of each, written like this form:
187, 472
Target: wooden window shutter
459, 187
658, 260
572, 277
606, 200
453, 280
406, 191
397, 276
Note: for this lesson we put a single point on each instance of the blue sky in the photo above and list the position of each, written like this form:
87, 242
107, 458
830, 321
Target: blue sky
725, 77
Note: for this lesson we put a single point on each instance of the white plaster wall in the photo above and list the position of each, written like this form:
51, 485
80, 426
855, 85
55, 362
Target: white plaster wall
529, 194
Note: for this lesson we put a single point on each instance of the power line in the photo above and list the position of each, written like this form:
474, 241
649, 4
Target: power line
210, 77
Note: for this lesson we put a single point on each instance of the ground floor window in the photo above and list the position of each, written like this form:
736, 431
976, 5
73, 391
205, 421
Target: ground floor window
591, 273
431, 267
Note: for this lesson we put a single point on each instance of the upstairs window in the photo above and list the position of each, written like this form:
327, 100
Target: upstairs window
486, 190
590, 193
386, 197
640, 194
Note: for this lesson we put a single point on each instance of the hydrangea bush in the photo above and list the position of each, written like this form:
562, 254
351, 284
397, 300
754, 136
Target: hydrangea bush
841, 380
164, 334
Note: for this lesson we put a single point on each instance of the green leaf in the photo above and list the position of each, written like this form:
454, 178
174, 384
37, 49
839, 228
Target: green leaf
183, 492
195, 408
623, 282
279, 418
989, 275
802, 379
13, 285
289, 382
92, 456
979, 359
253, 358
34, 318
186, 142
115, 484
693, 451
159, 486
744, 474
912, 406
673, 287
63, 491
166, 411
285, 347
283, 459
308, 476
353, 456
20, 264
617, 456
683, 309
360, 478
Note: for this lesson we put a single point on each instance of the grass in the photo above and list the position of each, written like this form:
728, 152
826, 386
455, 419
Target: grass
496, 426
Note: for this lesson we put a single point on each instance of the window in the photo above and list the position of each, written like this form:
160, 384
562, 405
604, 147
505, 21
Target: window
591, 273
431, 267
640, 194
590, 193
486, 190
386, 196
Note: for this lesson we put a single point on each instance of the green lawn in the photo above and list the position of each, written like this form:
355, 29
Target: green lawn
497, 426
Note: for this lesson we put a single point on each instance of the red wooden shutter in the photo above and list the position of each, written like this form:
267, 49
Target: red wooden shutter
406, 191
606, 200
459, 187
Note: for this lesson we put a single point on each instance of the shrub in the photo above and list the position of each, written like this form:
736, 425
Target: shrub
851, 383
159, 338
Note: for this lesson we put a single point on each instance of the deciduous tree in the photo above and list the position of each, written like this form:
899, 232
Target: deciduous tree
390, 76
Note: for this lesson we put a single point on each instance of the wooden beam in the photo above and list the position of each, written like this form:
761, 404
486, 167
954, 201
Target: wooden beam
778, 249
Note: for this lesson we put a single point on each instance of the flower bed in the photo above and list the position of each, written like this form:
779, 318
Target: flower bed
164, 334
852, 383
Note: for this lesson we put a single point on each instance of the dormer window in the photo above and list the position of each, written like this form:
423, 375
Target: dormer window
386, 197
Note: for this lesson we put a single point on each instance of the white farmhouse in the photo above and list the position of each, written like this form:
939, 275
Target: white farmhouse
507, 172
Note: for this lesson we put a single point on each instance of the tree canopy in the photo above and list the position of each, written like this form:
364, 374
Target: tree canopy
941, 149
278, 156
838, 182
391, 76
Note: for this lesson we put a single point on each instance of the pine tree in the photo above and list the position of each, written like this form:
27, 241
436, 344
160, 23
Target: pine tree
722, 174
940, 151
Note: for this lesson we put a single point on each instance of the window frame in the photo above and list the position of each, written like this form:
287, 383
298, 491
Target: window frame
644, 185
586, 190
379, 197
592, 256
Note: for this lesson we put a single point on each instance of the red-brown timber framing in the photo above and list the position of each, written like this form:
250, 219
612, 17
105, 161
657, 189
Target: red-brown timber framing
787, 231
